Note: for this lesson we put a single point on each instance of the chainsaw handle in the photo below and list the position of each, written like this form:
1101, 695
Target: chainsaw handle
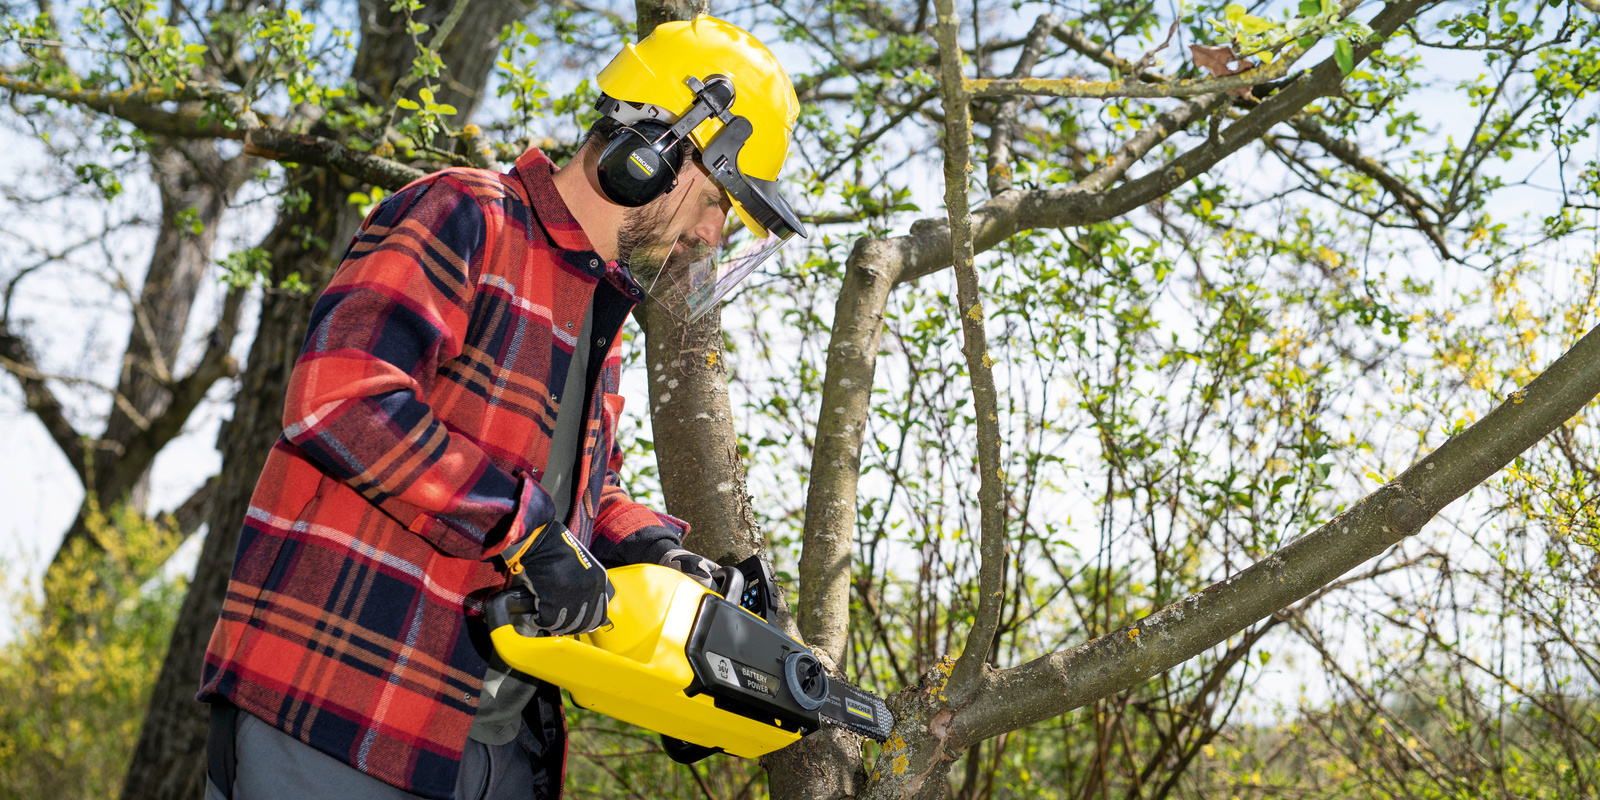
730, 583
506, 605
519, 600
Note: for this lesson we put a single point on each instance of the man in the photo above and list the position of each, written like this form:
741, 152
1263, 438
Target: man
449, 428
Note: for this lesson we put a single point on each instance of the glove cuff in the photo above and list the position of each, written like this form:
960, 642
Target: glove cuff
513, 561
524, 524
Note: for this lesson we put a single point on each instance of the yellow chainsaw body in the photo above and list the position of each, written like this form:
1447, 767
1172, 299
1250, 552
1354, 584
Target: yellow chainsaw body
636, 668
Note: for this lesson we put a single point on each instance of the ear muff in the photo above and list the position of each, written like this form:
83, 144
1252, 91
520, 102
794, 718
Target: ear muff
640, 163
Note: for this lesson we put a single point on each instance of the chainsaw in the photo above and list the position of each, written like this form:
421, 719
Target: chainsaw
708, 673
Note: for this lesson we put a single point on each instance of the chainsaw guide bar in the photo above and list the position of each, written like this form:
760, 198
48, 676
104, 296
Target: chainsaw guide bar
857, 711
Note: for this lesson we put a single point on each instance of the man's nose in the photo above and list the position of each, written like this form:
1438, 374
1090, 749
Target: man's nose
708, 228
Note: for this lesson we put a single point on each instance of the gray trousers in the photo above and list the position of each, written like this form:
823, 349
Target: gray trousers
272, 765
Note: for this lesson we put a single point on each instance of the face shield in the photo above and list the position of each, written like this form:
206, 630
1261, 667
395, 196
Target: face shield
691, 280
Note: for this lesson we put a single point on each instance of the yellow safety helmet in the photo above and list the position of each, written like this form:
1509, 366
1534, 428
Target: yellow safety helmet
659, 72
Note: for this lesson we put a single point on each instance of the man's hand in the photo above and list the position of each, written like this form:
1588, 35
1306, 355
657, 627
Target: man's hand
695, 566
571, 585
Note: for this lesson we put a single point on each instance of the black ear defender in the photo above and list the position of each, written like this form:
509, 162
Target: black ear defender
639, 164
642, 160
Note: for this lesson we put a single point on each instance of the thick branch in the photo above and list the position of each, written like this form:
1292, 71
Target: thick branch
16, 359
307, 149
192, 513
1060, 682
1079, 88
187, 393
823, 612
991, 478
141, 108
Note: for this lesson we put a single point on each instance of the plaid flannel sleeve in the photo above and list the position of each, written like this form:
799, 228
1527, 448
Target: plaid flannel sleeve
398, 307
629, 532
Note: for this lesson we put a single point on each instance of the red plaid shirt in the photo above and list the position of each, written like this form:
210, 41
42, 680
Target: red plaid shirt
419, 415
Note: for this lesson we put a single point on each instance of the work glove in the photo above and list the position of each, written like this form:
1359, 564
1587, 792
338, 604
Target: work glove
571, 586
694, 565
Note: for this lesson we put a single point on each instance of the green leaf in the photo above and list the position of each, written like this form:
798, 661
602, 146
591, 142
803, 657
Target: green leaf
409, 105
1254, 25
1344, 56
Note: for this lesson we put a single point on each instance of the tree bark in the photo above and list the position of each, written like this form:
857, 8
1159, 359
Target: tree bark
196, 185
931, 733
697, 449
829, 534
691, 415
169, 760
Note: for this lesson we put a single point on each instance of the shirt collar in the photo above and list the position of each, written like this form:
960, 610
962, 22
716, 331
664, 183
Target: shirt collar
534, 168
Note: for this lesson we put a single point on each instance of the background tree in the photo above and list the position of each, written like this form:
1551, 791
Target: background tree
1196, 300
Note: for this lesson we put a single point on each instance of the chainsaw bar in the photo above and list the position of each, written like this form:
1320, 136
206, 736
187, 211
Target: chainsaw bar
856, 710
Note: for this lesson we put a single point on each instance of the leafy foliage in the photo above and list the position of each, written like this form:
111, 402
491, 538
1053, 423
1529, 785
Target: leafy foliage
1185, 387
77, 681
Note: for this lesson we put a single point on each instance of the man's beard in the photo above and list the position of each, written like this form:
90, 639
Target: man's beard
652, 259
639, 242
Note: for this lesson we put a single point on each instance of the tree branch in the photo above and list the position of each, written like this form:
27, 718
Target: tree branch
308, 149
16, 359
1351, 156
192, 513
1131, 87
187, 393
1084, 46
997, 166
1057, 683
140, 107
966, 674
926, 248
1165, 126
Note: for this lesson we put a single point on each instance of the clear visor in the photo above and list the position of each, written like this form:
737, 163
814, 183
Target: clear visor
692, 281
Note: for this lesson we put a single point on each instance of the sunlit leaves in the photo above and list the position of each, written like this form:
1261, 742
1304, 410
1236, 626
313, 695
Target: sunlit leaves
519, 75
1264, 38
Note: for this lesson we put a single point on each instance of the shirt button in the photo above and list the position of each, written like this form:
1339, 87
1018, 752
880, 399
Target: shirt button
594, 262
552, 397
601, 341
569, 325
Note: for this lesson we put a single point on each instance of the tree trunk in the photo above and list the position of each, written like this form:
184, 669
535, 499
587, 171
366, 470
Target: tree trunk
169, 760
196, 185
697, 450
703, 477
